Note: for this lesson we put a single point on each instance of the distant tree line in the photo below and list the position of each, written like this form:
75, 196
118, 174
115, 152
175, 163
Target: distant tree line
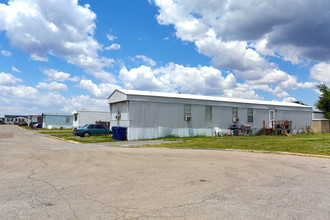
323, 103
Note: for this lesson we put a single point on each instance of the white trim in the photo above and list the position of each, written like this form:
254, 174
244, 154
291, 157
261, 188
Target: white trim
271, 119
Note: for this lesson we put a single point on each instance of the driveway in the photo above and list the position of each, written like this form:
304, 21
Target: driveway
46, 178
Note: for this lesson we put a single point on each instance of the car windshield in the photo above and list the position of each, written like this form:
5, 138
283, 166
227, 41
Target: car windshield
85, 126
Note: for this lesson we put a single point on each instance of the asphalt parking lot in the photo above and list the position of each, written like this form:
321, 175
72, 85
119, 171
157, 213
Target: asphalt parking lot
46, 178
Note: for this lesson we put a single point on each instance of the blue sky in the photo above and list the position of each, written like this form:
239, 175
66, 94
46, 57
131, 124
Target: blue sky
58, 56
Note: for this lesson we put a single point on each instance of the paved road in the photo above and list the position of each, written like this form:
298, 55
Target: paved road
45, 178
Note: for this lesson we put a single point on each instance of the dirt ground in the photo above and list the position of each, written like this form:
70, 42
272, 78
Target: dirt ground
46, 178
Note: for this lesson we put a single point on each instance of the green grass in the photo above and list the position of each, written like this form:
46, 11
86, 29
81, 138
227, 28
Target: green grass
67, 135
302, 143
46, 129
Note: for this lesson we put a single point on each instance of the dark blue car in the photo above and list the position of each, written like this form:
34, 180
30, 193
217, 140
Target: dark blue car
90, 129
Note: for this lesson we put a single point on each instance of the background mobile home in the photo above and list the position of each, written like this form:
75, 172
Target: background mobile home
15, 119
57, 120
82, 117
35, 119
155, 114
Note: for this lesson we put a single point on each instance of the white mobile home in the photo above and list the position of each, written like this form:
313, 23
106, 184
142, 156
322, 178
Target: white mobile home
82, 117
56, 120
16, 119
156, 114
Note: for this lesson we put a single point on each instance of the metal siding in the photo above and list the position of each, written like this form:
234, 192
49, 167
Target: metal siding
146, 114
170, 115
57, 121
152, 117
117, 96
90, 117
318, 115
124, 121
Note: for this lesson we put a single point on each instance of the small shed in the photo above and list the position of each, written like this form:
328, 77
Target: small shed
82, 117
36, 118
156, 114
57, 120
320, 123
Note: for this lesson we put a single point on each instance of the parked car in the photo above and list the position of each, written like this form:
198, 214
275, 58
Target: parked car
23, 124
32, 124
90, 129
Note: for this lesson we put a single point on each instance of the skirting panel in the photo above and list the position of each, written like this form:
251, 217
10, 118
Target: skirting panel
135, 133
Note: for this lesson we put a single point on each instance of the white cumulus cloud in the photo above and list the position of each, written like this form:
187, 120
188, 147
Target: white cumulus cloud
14, 69
113, 47
321, 72
6, 53
100, 90
8, 79
242, 35
172, 77
60, 28
56, 75
19, 92
111, 37
147, 60
53, 86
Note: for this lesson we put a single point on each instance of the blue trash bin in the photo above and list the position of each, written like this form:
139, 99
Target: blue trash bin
114, 132
119, 133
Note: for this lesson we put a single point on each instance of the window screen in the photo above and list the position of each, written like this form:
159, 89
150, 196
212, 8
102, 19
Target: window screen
187, 110
235, 112
250, 115
119, 108
208, 113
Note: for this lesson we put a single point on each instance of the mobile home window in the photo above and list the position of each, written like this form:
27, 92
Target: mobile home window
119, 109
250, 115
187, 110
235, 112
67, 120
208, 113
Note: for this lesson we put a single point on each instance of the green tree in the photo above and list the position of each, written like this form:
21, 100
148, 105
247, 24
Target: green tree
324, 100
299, 102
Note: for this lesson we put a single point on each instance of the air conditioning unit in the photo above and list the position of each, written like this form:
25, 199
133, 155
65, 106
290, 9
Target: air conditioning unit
118, 116
187, 118
235, 120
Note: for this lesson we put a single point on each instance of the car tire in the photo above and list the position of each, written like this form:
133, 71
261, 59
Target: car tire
87, 134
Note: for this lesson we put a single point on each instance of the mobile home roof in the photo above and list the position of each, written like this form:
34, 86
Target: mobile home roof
206, 98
